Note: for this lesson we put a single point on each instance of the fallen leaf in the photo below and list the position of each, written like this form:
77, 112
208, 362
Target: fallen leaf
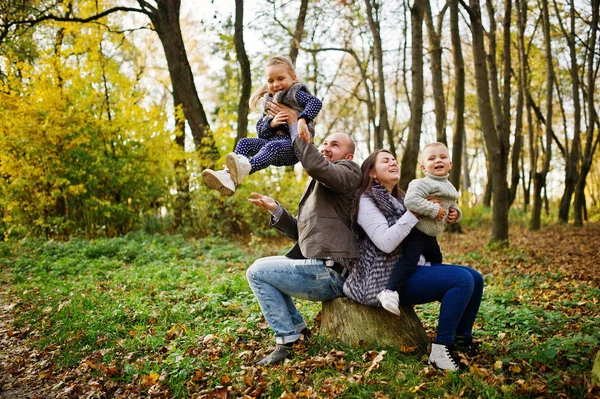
376, 362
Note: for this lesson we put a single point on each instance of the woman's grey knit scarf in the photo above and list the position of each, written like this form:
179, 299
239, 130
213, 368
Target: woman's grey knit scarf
375, 266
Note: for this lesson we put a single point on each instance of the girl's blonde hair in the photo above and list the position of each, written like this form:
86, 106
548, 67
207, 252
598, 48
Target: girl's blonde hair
263, 90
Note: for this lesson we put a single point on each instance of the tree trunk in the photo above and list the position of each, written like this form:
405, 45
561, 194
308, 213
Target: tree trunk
466, 181
539, 181
435, 49
411, 151
596, 370
488, 193
591, 142
521, 6
493, 69
353, 323
165, 19
373, 18
497, 153
574, 153
458, 136
245, 74
526, 185
182, 182
297, 39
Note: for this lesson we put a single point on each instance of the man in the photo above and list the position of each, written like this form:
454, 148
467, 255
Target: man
315, 269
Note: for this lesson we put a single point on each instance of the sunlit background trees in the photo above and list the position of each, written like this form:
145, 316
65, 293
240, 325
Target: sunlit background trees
110, 109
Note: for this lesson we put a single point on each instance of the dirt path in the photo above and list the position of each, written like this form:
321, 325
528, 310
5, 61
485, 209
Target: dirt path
23, 374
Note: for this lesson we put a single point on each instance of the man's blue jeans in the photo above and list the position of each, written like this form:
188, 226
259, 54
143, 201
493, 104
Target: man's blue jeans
276, 279
458, 288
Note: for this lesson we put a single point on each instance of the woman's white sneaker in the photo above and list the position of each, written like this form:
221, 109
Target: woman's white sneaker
442, 358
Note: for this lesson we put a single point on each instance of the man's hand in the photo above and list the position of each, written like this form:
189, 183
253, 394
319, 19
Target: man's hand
263, 201
303, 131
452, 215
441, 214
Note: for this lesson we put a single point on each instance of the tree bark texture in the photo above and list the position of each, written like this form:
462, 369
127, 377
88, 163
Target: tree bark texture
353, 323
165, 19
373, 18
539, 181
411, 151
573, 153
458, 136
497, 154
591, 142
298, 32
181, 210
435, 49
521, 6
245, 73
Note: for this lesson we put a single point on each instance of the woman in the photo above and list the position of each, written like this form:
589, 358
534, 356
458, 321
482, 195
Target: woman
381, 223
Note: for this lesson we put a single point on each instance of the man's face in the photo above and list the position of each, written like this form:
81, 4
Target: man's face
337, 146
436, 160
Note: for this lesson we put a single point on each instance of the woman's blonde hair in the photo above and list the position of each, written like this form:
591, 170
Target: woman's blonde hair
263, 90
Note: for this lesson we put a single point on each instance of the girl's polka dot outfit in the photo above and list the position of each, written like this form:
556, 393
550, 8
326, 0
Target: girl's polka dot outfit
274, 146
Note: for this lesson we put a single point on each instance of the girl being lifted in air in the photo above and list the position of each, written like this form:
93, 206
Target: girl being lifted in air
273, 146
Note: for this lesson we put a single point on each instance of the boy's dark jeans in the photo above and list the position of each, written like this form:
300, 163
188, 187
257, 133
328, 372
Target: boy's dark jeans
414, 245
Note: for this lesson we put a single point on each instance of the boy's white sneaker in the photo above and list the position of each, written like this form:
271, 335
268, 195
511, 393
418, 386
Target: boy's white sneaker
239, 167
390, 301
219, 180
442, 358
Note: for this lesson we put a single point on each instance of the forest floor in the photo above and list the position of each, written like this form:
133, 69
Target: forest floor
19, 365
563, 250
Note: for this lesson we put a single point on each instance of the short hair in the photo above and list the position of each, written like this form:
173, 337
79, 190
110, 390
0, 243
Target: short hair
351, 145
348, 141
434, 144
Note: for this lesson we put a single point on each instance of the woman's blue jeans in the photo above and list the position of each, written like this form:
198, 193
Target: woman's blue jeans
276, 279
458, 288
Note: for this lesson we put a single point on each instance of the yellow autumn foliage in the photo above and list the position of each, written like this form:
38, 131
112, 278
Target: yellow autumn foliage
82, 147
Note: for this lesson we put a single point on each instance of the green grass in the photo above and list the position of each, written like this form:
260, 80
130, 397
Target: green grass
162, 305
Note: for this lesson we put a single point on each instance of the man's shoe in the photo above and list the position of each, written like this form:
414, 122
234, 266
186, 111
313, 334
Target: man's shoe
306, 333
442, 357
239, 167
219, 180
280, 353
390, 301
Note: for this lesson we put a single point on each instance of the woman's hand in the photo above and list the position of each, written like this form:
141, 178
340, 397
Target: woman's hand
452, 215
441, 213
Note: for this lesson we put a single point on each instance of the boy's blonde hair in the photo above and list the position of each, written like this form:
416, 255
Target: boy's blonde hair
435, 144
263, 90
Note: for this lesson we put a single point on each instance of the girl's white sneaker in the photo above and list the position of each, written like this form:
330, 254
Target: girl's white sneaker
219, 180
390, 301
239, 167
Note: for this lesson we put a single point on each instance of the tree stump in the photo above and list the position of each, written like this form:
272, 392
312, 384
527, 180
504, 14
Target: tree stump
596, 370
352, 323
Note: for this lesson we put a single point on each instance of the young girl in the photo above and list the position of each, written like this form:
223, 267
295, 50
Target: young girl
274, 143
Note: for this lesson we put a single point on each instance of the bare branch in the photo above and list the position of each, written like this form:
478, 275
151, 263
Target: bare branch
51, 17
